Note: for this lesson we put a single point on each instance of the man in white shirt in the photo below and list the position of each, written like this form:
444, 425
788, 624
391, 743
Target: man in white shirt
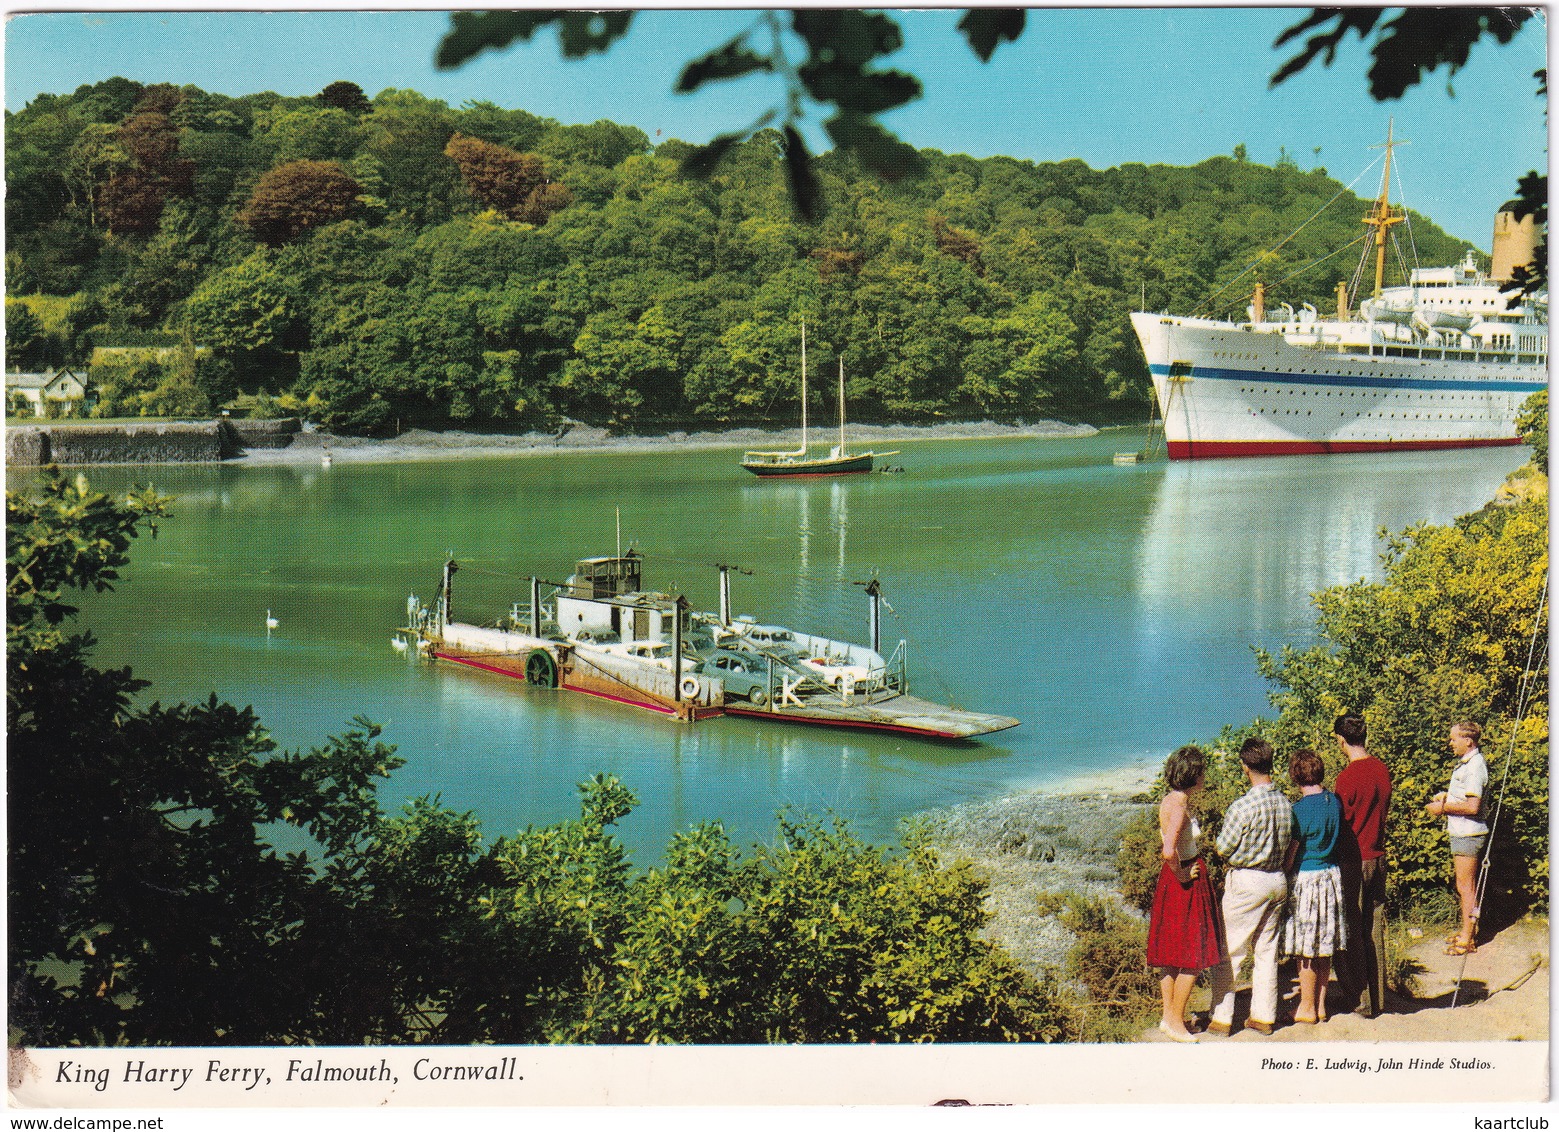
1462, 805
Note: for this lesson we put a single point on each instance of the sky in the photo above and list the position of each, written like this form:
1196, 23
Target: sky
1107, 85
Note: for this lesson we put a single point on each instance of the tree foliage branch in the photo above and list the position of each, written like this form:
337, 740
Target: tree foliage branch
839, 70
1411, 44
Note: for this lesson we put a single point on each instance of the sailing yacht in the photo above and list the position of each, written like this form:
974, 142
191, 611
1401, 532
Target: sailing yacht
839, 461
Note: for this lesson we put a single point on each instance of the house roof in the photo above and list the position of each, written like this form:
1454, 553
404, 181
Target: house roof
38, 380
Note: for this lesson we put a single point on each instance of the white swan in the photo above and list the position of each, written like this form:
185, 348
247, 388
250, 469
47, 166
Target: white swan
270, 622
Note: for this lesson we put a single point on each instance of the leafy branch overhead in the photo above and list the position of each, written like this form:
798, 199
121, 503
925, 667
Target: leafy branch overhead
579, 33
838, 70
1414, 41
1410, 44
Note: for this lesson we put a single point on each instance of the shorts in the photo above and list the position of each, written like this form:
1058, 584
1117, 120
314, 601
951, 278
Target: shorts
1468, 846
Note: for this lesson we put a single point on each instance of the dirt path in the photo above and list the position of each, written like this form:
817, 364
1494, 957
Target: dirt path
1503, 997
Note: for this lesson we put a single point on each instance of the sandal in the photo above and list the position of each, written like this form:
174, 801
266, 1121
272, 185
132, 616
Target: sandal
1298, 1021
1457, 947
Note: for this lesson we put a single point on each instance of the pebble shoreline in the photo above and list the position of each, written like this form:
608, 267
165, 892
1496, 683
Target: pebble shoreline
421, 444
1061, 838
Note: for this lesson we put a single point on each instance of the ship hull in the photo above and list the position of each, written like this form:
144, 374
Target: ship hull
851, 465
1224, 390
1216, 449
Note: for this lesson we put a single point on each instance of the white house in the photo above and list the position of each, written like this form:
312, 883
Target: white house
56, 385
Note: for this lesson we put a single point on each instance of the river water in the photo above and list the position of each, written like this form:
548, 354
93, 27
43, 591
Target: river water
1111, 609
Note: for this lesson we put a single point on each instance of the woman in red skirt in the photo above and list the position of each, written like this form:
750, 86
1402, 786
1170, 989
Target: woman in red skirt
1185, 931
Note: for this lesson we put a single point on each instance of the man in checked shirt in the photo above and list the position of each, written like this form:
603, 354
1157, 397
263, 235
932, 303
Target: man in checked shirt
1254, 842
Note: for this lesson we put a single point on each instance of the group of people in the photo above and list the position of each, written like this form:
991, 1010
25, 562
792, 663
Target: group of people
1305, 879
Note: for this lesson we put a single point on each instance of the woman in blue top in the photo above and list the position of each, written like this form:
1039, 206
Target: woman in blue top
1316, 928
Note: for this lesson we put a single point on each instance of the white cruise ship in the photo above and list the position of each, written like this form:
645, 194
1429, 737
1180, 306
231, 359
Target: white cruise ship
1439, 362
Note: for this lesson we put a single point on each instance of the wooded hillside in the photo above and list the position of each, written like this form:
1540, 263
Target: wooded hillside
384, 263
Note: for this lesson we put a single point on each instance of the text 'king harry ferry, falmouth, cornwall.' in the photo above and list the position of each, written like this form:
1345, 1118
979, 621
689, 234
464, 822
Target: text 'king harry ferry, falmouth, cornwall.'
1442, 361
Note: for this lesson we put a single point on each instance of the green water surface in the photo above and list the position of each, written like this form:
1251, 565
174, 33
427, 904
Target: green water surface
1111, 609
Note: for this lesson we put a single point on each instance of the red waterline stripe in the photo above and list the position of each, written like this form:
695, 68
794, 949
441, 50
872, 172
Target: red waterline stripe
806, 475
698, 712
821, 722
479, 664
1213, 449
620, 699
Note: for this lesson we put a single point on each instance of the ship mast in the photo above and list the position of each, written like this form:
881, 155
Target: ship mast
803, 387
1382, 217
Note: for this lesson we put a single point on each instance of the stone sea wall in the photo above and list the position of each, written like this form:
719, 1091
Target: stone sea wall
151, 443
265, 434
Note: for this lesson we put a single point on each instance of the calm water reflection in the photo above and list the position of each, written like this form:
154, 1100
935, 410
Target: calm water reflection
1113, 610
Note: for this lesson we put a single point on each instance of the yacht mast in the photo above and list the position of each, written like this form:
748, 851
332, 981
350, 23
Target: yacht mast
803, 387
841, 406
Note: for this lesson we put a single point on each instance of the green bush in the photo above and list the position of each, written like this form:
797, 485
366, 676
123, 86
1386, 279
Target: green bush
1108, 962
1445, 637
820, 939
1532, 424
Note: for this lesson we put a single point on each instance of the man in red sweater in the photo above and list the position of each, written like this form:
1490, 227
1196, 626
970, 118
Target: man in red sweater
1364, 788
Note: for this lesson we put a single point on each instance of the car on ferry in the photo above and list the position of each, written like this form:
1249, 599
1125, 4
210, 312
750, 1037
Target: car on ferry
742, 674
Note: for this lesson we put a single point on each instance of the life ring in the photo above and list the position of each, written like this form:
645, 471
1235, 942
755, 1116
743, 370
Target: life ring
541, 670
758, 697
689, 687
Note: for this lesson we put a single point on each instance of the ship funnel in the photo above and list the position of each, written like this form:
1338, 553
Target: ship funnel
1515, 242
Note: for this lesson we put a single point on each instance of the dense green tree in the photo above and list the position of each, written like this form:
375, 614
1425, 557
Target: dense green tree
1015, 361
35, 144
112, 100
25, 340
57, 259
343, 95
227, 163
205, 112
754, 369
405, 137
309, 133
247, 307
619, 363
518, 130
96, 157
167, 269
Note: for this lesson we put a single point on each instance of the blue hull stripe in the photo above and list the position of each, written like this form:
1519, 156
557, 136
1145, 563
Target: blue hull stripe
1471, 384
